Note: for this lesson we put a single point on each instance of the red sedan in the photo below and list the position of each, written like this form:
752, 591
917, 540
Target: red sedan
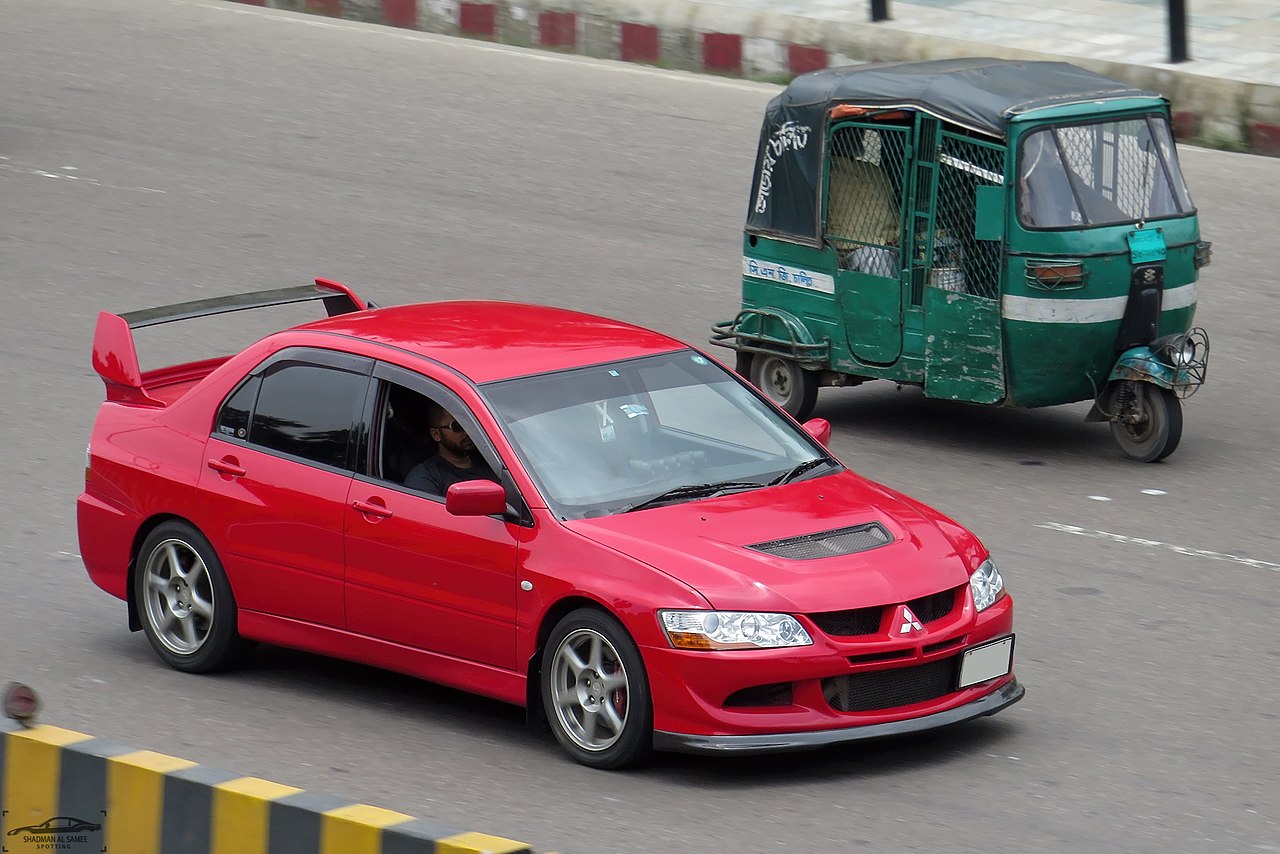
557, 510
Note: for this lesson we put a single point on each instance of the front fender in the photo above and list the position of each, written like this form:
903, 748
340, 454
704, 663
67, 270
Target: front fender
1143, 364
1137, 364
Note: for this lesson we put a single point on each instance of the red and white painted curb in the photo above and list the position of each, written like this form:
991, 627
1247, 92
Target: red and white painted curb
724, 40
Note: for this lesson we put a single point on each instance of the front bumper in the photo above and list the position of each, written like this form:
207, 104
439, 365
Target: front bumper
1003, 697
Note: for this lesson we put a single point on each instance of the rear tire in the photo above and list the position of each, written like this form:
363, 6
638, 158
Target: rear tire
184, 601
1148, 428
595, 692
785, 383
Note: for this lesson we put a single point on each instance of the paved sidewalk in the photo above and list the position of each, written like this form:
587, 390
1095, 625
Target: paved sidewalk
1226, 95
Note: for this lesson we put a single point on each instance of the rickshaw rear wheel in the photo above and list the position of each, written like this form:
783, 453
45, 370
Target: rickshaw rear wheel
1146, 420
786, 384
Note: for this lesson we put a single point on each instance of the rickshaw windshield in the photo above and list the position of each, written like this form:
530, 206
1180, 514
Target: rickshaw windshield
1106, 173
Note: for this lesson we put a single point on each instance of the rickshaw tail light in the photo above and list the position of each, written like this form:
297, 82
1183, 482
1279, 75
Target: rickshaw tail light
1055, 275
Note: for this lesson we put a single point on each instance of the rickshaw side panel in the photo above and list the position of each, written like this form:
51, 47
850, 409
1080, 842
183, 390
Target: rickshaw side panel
796, 280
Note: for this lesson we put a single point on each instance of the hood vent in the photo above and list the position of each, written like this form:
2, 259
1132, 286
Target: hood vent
842, 541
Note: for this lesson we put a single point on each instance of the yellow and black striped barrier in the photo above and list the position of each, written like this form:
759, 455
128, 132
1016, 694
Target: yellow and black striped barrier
69, 792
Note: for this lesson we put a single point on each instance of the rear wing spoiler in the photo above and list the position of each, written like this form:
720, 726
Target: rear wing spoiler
115, 355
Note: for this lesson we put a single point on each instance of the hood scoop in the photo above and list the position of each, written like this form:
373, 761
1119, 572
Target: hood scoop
842, 541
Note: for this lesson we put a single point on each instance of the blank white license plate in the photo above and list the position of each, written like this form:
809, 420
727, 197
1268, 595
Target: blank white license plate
986, 662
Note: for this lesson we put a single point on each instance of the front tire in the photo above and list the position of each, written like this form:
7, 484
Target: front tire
1146, 421
595, 692
785, 383
184, 600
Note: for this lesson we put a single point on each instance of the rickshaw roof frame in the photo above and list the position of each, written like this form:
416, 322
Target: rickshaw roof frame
1108, 107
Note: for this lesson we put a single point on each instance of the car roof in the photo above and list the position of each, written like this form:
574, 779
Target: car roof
488, 340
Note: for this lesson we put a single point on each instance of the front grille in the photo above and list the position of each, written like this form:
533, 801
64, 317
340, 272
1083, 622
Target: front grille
842, 541
935, 607
866, 621
773, 694
889, 689
845, 624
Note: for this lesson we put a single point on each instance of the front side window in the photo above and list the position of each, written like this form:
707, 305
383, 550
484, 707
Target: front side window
309, 411
1106, 173
604, 439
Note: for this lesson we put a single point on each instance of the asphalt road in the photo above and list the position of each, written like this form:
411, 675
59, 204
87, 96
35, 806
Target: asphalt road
154, 152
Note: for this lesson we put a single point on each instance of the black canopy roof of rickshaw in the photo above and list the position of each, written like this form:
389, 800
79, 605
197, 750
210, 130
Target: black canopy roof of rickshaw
978, 93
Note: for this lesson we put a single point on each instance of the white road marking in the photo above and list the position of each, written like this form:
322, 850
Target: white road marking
1099, 498
10, 166
1154, 492
1139, 541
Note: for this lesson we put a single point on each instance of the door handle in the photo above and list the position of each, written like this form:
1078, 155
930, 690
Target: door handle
228, 468
372, 509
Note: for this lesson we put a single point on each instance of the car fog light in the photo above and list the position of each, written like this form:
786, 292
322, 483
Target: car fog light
986, 584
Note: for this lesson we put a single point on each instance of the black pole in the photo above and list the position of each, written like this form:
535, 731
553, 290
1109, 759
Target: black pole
1178, 31
880, 10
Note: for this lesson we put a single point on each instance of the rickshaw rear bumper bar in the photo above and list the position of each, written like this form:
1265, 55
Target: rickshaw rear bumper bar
750, 332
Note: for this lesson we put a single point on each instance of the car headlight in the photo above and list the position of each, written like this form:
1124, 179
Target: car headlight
986, 584
732, 630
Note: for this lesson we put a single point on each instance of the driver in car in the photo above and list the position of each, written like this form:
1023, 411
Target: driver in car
456, 458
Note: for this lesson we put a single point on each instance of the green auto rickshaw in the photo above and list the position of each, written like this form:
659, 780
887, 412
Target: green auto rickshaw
997, 232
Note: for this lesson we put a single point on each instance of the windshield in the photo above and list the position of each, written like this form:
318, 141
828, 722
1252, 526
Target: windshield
610, 438
1107, 173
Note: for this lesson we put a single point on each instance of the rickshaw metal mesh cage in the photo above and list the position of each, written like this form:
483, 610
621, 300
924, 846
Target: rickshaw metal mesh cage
960, 262
864, 191
867, 185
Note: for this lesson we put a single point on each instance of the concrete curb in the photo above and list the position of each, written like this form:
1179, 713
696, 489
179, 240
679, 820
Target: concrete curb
765, 45
149, 803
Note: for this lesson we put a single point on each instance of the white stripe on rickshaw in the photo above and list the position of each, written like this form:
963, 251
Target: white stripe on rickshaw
1048, 310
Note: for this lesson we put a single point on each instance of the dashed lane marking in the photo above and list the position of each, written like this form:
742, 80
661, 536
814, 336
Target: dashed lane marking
1157, 544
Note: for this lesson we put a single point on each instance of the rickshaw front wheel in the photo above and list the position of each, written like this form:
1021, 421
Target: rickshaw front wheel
786, 384
1146, 420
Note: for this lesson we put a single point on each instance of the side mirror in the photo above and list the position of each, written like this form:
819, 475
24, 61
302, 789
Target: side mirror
818, 428
476, 498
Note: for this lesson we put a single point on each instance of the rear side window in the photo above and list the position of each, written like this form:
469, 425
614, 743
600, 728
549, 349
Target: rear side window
308, 411
233, 420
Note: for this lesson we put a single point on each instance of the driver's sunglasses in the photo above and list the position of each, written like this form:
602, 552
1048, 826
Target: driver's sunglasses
452, 425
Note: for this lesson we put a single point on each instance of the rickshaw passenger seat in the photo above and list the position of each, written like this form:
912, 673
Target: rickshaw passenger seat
862, 206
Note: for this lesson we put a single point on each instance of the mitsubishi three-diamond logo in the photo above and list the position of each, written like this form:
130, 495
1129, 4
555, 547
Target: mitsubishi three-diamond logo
910, 623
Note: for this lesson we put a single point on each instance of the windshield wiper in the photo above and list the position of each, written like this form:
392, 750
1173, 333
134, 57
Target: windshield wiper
692, 490
805, 466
